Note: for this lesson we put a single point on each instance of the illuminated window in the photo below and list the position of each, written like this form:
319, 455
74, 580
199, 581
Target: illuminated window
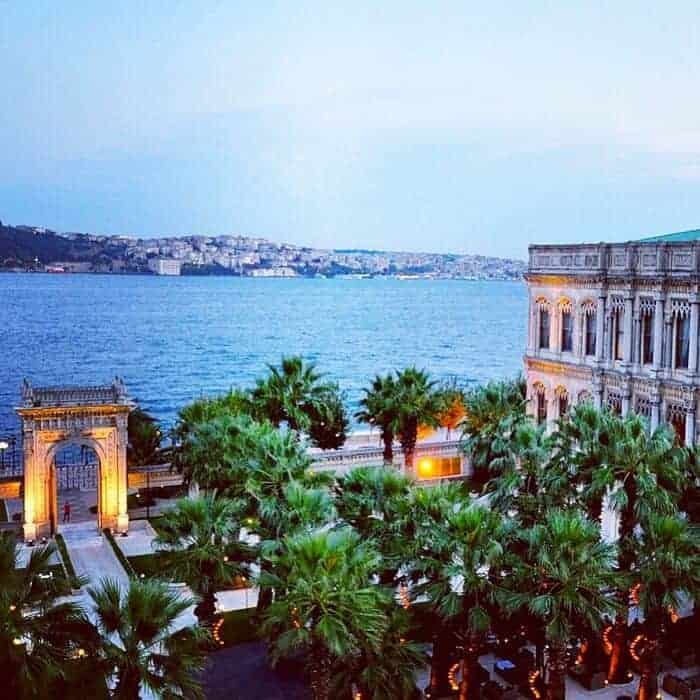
437, 467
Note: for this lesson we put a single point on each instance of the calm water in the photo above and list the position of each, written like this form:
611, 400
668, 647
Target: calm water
174, 339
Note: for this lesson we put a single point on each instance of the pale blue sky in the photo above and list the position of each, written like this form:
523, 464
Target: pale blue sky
447, 126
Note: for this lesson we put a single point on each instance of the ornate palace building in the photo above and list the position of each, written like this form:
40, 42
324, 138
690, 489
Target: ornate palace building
616, 324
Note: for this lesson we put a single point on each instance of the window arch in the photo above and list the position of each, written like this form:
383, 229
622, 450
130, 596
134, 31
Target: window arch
584, 396
543, 322
540, 397
680, 314
562, 396
588, 327
565, 313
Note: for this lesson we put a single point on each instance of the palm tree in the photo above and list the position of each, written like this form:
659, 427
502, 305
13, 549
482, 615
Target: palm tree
375, 501
325, 603
581, 443
418, 403
328, 420
668, 571
39, 635
200, 543
378, 409
215, 452
564, 578
642, 474
296, 394
431, 553
473, 551
144, 438
142, 646
524, 484
492, 413
386, 672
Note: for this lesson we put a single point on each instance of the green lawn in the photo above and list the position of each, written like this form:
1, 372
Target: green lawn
239, 626
147, 564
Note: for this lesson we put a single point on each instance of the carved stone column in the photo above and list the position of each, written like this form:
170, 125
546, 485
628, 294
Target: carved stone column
627, 349
655, 408
658, 333
668, 342
600, 328
693, 350
626, 396
690, 426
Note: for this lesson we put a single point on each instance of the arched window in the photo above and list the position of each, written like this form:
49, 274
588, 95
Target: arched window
540, 397
588, 326
676, 417
617, 328
646, 311
614, 402
584, 397
680, 310
562, 396
566, 330
543, 323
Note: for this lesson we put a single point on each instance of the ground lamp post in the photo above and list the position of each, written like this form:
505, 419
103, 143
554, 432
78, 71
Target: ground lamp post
3, 446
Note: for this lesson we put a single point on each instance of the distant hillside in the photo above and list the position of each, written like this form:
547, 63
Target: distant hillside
22, 245
40, 249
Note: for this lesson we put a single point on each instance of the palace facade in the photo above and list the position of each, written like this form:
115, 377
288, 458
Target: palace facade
616, 324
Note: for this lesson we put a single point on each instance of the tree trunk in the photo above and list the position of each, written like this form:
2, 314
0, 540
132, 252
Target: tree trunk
618, 669
388, 440
206, 609
556, 671
128, 686
649, 668
320, 674
440, 665
469, 685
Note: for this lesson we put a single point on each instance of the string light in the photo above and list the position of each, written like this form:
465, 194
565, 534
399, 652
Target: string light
607, 644
634, 593
532, 679
639, 639
216, 631
404, 597
452, 677
674, 615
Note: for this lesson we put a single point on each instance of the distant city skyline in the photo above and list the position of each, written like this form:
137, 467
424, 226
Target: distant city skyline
405, 126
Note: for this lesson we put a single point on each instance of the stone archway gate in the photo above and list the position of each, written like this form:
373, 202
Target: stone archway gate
53, 417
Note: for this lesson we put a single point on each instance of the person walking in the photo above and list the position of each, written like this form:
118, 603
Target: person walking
66, 512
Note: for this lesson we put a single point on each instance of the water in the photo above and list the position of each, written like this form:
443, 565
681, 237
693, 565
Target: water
174, 339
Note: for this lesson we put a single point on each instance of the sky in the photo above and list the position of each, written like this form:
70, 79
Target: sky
429, 126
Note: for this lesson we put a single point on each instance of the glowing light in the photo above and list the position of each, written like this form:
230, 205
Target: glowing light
216, 631
13, 608
634, 593
532, 679
404, 596
452, 677
225, 558
17, 641
607, 644
425, 466
674, 615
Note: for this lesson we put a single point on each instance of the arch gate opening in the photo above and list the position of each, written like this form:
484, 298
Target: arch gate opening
74, 420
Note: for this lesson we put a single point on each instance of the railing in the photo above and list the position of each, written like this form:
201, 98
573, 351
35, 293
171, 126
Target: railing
371, 456
634, 258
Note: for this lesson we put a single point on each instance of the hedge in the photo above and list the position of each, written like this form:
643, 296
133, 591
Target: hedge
75, 582
126, 564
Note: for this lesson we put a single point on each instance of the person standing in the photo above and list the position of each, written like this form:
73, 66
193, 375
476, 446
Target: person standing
66, 512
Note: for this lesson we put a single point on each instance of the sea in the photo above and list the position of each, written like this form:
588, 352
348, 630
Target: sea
174, 339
